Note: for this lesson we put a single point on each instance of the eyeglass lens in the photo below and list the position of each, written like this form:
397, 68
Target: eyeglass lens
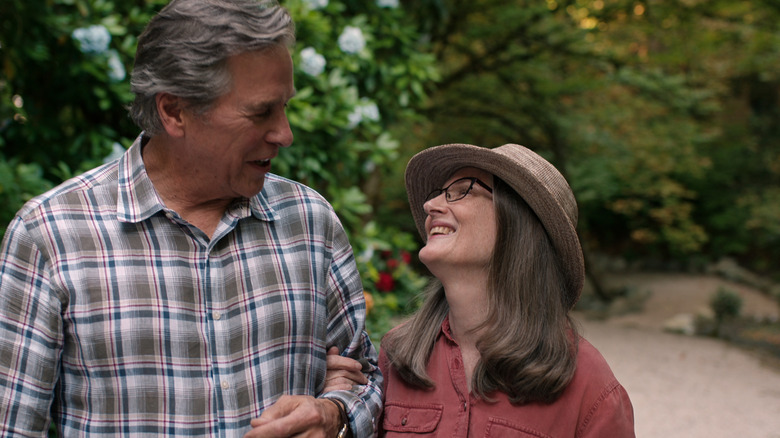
455, 191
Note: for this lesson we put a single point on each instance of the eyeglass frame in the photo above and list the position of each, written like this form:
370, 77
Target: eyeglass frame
436, 192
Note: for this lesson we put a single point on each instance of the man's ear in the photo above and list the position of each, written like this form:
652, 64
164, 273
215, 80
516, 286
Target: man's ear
169, 107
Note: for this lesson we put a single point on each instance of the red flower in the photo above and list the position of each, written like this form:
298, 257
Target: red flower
406, 257
385, 282
393, 263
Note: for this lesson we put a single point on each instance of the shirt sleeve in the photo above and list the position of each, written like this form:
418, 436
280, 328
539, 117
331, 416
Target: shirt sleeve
346, 330
612, 416
30, 336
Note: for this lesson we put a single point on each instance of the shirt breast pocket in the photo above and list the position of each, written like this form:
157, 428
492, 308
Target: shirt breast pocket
498, 427
421, 419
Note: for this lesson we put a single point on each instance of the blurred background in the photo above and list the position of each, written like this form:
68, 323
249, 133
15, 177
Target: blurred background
662, 114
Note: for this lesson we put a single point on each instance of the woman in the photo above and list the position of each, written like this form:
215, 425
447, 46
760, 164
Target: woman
493, 350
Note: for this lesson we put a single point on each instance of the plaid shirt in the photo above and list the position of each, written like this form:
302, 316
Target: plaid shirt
118, 318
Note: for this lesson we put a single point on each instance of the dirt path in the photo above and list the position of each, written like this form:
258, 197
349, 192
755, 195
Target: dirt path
688, 387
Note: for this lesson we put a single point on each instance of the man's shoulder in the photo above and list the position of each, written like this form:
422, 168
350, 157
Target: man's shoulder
280, 190
96, 183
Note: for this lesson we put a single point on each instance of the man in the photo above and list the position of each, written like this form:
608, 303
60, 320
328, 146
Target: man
183, 289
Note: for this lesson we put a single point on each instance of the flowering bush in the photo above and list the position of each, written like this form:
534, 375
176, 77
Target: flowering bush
359, 71
392, 285
63, 90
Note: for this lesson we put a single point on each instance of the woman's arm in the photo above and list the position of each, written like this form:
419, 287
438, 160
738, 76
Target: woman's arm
343, 372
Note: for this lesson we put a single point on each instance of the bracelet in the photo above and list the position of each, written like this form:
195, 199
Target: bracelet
344, 427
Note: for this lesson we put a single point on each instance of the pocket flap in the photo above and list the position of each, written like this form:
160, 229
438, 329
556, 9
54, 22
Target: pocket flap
411, 417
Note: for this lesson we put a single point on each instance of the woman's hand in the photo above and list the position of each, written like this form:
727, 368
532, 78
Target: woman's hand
343, 372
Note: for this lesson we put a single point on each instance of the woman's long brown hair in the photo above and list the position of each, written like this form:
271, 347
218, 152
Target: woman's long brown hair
528, 348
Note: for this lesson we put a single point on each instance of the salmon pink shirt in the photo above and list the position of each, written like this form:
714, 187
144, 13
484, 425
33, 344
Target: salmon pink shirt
594, 405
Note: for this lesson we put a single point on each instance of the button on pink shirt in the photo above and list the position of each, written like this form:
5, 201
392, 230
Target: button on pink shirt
593, 405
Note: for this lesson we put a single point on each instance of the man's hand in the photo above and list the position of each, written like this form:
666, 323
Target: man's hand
342, 372
298, 416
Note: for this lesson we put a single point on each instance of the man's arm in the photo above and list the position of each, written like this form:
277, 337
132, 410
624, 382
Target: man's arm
346, 331
30, 336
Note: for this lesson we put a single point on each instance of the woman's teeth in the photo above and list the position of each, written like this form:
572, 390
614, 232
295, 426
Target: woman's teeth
441, 230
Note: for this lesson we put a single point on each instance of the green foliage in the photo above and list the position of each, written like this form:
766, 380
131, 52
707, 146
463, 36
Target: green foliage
342, 119
70, 102
662, 115
726, 304
392, 285
63, 100
669, 138
18, 183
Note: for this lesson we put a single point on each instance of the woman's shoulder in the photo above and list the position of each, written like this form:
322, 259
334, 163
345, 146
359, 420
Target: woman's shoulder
594, 384
604, 402
592, 367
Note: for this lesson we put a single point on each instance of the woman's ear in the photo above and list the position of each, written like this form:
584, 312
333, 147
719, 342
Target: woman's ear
169, 107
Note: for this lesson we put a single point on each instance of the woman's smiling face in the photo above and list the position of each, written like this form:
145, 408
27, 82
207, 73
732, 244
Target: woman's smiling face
461, 233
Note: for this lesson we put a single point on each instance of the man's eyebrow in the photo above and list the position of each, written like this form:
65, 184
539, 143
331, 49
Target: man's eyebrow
258, 107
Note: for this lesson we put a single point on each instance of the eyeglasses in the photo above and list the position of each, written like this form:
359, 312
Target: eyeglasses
458, 189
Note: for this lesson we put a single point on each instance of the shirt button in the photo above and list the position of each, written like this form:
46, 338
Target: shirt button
225, 384
465, 406
403, 422
217, 316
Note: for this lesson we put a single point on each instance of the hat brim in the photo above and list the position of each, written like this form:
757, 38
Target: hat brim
531, 176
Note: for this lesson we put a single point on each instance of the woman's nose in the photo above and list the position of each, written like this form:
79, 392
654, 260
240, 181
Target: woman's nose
437, 203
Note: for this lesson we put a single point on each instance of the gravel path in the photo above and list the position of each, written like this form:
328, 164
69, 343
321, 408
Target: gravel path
689, 387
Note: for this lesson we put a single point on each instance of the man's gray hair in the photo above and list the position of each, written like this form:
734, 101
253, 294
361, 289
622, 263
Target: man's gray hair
184, 49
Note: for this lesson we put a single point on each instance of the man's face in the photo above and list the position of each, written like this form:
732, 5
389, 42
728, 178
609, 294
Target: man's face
229, 149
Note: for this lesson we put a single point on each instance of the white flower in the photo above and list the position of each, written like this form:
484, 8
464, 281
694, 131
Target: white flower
351, 40
365, 110
355, 117
92, 40
316, 4
387, 3
369, 110
116, 70
312, 63
366, 255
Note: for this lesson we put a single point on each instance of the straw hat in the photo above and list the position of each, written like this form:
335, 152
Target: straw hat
533, 178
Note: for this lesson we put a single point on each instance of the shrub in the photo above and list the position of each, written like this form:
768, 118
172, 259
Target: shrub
726, 304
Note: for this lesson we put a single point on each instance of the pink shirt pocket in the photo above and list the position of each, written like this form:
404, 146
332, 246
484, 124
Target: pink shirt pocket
405, 417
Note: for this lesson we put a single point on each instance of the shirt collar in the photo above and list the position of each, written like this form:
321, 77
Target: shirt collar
257, 206
137, 200
446, 330
260, 206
